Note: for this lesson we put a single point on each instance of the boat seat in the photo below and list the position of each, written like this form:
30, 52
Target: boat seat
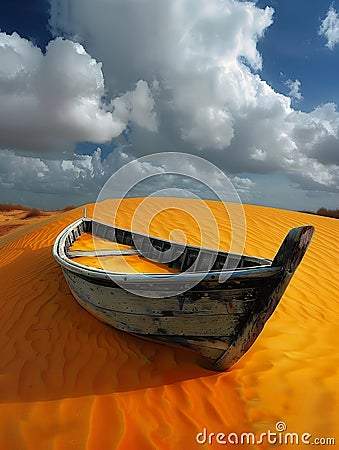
98, 253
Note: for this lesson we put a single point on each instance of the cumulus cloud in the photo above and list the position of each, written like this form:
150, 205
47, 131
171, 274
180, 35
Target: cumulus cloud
80, 179
294, 89
210, 97
64, 177
330, 28
51, 101
136, 106
244, 186
317, 134
184, 45
162, 76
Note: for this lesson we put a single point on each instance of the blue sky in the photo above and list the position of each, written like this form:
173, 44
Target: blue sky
251, 87
293, 49
29, 19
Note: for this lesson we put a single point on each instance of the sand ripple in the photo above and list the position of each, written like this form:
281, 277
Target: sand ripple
69, 382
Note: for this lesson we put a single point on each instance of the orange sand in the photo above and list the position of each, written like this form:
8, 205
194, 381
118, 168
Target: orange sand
15, 218
121, 264
68, 381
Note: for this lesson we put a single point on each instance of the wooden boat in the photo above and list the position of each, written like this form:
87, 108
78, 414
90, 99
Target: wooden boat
197, 310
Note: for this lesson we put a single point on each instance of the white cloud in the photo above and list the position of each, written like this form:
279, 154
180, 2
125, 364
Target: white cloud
185, 45
316, 133
330, 28
209, 127
136, 106
244, 186
294, 89
52, 101
258, 154
64, 177
80, 179
208, 99
180, 76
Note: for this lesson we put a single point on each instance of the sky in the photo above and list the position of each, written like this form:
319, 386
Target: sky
252, 87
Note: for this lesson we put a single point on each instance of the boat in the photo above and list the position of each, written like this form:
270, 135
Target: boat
200, 303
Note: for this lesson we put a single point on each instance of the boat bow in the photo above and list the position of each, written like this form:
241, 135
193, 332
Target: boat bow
288, 258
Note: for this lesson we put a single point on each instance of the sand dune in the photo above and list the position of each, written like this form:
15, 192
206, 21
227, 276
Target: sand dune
68, 381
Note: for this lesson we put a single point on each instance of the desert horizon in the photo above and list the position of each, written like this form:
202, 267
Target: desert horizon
65, 377
13, 216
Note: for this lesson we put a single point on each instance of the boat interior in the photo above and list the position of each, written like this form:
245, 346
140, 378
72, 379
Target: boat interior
100, 245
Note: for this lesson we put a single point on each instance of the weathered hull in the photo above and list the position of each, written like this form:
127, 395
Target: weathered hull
220, 321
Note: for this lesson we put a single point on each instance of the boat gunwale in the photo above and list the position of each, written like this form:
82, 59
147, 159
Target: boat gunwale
262, 270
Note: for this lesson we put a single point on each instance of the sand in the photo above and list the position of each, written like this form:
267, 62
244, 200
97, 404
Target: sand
122, 264
16, 219
68, 381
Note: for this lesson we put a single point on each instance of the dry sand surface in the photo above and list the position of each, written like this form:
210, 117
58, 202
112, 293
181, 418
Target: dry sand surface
15, 219
68, 381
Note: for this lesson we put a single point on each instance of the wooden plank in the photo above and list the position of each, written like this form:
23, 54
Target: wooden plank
98, 253
233, 301
220, 324
208, 347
